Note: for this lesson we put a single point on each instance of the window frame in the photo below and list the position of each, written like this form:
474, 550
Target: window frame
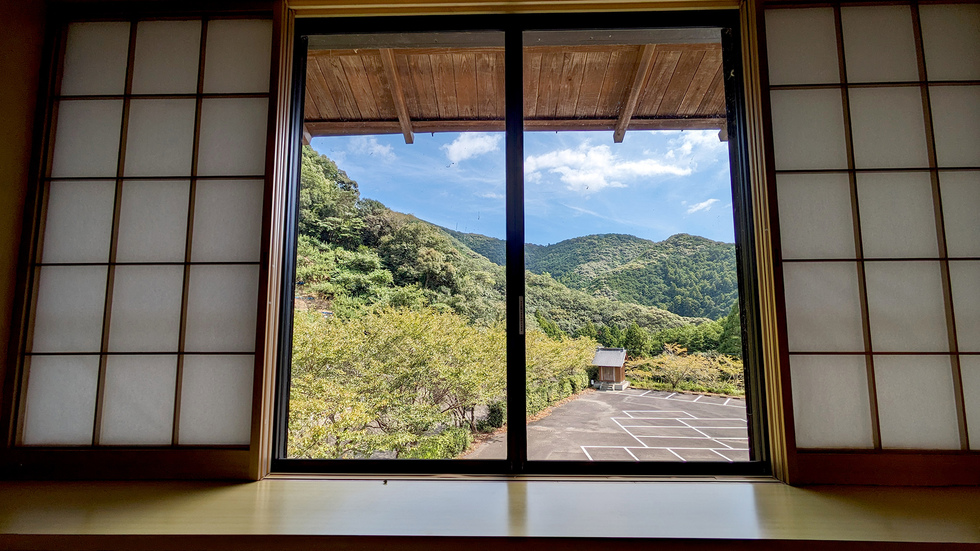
513, 26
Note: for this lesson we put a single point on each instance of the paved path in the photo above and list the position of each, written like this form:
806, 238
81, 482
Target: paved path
636, 425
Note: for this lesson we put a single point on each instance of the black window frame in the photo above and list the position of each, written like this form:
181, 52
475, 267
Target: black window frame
513, 26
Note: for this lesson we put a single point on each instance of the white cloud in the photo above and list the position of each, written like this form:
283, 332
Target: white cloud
703, 205
588, 168
471, 144
491, 195
696, 144
370, 146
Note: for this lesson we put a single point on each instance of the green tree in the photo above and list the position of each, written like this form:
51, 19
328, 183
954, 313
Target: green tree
636, 341
731, 334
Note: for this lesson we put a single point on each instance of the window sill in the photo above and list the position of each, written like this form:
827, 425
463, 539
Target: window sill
402, 513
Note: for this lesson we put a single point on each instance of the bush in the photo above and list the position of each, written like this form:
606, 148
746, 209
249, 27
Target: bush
445, 445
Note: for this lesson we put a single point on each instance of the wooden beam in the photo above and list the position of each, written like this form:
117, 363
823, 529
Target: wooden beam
307, 135
642, 72
353, 128
397, 93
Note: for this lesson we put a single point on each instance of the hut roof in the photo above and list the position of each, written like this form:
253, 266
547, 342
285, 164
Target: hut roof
609, 357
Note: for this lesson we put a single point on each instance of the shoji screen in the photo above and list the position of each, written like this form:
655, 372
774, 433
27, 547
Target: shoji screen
876, 142
145, 288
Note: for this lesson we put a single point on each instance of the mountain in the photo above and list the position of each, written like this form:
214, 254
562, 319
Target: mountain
684, 274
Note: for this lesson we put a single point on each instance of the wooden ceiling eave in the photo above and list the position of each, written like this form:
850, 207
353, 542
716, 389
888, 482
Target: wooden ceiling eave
618, 88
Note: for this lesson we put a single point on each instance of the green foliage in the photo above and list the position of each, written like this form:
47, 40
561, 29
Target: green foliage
675, 369
731, 334
556, 369
549, 327
694, 338
636, 341
447, 444
328, 202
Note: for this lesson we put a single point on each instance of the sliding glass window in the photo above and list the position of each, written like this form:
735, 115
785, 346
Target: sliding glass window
526, 223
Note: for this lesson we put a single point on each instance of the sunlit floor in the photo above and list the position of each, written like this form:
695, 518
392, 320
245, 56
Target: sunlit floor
636, 425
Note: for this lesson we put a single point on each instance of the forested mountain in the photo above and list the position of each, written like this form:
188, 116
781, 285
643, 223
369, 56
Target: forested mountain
399, 336
684, 274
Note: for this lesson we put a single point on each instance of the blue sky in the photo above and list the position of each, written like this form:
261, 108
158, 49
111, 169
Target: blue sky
652, 185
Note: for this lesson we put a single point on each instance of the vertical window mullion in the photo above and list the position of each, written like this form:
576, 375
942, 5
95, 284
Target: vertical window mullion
191, 194
114, 239
858, 240
940, 230
516, 362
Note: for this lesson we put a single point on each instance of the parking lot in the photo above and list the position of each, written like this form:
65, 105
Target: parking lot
636, 425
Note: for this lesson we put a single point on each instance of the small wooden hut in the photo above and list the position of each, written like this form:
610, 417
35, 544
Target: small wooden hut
612, 374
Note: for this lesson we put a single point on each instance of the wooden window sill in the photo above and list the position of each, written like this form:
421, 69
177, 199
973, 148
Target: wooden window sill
288, 513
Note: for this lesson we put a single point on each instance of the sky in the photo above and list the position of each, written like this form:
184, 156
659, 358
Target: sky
653, 185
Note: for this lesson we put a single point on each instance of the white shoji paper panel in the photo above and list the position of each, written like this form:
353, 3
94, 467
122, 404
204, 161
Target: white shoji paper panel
964, 278
146, 308
970, 372
221, 308
78, 225
808, 129
160, 137
823, 311
815, 219
70, 302
139, 400
916, 406
233, 134
961, 212
95, 58
878, 44
216, 400
906, 307
86, 141
227, 220
238, 56
61, 394
956, 124
831, 408
887, 128
898, 219
951, 40
167, 57
802, 46
153, 221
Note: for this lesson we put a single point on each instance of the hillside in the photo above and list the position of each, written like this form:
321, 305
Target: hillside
684, 274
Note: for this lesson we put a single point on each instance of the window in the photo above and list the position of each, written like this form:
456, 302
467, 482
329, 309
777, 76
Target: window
379, 85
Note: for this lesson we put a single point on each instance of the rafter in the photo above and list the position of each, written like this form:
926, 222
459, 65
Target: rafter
628, 108
397, 93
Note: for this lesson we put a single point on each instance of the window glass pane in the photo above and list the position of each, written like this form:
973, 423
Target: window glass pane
815, 216
146, 308
221, 303
802, 46
898, 219
823, 307
233, 135
70, 302
160, 137
78, 222
237, 56
399, 343
906, 307
631, 282
87, 139
808, 129
139, 400
167, 57
956, 123
95, 58
830, 401
916, 405
950, 40
61, 393
216, 399
961, 212
887, 128
878, 44
153, 221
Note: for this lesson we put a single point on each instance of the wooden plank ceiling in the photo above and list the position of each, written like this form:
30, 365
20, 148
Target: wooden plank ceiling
587, 87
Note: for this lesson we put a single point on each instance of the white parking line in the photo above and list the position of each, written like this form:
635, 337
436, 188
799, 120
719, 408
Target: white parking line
586, 453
